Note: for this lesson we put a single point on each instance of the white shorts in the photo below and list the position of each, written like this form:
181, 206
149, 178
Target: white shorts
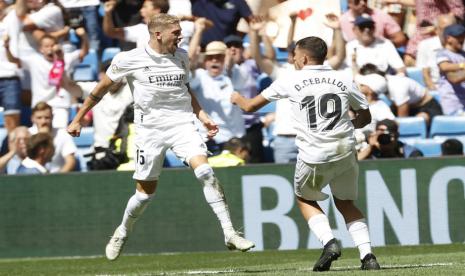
151, 145
341, 175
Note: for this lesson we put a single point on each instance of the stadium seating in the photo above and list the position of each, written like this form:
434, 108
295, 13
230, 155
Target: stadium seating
447, 126
271, 107
84, 72
86, 139
172, 160
416, 74
281, 55
84, 144
429, 147
411, 128
385, 99
109, 53
2, 121
92, 59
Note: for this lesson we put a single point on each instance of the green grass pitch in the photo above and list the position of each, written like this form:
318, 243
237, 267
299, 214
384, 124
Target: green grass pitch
422, 260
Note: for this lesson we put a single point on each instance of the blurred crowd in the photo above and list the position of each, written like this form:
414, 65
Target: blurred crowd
406, 56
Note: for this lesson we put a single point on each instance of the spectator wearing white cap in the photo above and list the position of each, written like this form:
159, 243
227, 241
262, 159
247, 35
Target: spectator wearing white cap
409, 97
372, 86
213, 88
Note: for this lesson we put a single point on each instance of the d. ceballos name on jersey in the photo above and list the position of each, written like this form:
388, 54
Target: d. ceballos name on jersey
316, 81
167, 80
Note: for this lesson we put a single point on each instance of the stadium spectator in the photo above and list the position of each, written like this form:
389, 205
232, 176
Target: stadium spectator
244, 70
105, 116
236, 152
451, 62
18, 140
372, 86
384, 25
138, 33
10, 87
50, 75
39, 18
426, 11
427, 48
384, 143
284, 148
367, 48
410, 98
84, 13
212, 88
64, 158
323, 158
224, 14
451, 147
39, 152
166, 122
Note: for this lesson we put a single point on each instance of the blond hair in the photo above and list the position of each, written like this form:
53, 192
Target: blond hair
160, 22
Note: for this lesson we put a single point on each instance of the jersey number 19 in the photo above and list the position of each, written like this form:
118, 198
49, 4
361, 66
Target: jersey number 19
327, 100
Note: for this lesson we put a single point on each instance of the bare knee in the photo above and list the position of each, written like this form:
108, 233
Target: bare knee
147, 187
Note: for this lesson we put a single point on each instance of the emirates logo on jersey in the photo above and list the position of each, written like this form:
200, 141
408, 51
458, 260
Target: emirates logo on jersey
167, 80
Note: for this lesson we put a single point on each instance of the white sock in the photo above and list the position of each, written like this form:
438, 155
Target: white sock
215, 197
358, 229
136, 206
319, 225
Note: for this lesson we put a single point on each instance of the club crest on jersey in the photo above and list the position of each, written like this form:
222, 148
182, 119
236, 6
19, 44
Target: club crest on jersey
114, 68
146, 69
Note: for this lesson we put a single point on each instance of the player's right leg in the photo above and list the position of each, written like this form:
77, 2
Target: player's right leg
134, 209
214, 195
307, 188
344, 189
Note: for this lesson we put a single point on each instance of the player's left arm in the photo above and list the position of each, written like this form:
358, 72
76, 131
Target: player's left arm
248, 105
203, 117
362, 118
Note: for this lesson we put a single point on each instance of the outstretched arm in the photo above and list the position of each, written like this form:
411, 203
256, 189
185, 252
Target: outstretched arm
248, 105
74, 128
109, 28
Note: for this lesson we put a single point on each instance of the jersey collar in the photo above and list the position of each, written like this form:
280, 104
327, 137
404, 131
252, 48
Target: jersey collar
317, 67
154, 54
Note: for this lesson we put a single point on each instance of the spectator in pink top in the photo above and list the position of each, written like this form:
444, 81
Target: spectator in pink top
386, 26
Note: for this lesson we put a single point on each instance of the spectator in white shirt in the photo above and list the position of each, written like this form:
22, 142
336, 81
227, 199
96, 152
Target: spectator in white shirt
213, 88
369, 49
63, 159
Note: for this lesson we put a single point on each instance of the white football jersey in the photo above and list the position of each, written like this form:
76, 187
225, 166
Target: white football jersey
159, 85
320, 99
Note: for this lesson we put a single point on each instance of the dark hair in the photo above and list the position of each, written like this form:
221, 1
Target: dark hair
315, 47
37, 142
234, 144
370, 68
391, 125
452, 147
163, 5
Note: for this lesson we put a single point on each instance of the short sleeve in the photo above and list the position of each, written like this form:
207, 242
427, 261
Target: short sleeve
277, 90
357, 100
119, 67
131, 33
441, 56
49, 17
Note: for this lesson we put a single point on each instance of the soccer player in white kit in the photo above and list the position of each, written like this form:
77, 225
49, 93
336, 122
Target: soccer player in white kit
163, 117
320, 99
